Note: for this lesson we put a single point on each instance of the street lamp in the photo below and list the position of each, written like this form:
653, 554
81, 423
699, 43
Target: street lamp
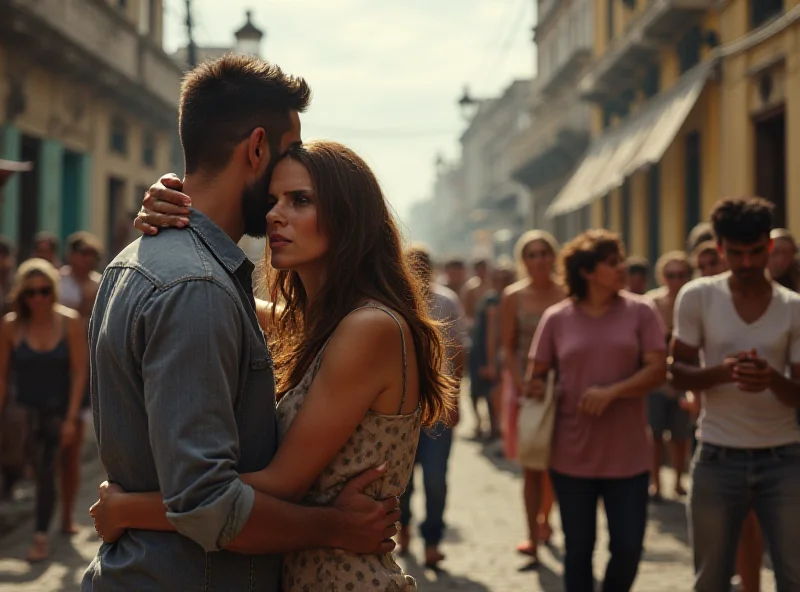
468, 105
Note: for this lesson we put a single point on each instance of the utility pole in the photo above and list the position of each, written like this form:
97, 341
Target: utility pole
191, 56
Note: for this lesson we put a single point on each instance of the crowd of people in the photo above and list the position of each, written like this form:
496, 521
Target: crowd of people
725, 316
44, 393
275, 441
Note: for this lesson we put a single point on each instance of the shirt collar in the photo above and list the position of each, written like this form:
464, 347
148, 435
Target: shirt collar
225, 250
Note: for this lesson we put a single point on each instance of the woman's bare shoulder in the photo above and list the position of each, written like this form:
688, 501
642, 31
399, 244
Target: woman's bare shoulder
67, 313
516, 288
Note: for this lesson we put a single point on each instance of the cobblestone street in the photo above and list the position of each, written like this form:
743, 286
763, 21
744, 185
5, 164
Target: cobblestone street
485, 524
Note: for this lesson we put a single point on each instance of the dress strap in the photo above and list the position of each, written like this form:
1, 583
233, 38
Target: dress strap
402, 340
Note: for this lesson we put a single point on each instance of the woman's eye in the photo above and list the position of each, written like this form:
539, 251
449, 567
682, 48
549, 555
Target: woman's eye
301, 200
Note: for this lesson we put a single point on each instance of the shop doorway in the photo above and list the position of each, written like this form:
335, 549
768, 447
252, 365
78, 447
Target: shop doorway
770, 161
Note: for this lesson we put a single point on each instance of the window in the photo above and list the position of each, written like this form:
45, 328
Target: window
610, 19
625, 205
607, 211
763, 10
693, 180
119, 135
653, 213
689, 47
652, 81
148, 149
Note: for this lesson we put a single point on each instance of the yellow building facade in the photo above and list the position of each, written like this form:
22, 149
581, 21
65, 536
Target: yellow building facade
689, 105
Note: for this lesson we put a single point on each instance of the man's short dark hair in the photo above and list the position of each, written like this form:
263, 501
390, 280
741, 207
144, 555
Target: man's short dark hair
638, 265
6, 247
742, 220
224, 100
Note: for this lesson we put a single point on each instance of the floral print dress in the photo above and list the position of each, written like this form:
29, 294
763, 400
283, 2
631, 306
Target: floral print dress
378, 438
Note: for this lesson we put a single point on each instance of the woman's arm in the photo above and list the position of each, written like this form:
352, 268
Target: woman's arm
164, 206
78, 362
508, 336
6, 332
360, 363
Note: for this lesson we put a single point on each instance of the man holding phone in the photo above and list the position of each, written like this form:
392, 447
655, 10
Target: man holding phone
748, 329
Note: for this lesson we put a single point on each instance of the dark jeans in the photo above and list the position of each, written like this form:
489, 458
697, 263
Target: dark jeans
45, 441
432, 455
625, 502
726, 484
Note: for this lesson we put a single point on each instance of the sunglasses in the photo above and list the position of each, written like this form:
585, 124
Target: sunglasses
31, 292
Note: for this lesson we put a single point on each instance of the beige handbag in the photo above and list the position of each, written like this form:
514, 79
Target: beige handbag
535, 427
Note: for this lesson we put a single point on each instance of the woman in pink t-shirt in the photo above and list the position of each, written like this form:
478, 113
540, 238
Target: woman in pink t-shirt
608, 347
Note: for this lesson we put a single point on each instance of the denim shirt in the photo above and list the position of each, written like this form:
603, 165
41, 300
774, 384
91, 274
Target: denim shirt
183, 400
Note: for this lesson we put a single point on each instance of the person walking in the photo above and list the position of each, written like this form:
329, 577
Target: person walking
521, 310
435, 445
608, 348
43, 350
664, 408
746, 329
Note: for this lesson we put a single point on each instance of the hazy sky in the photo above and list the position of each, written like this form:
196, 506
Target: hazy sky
386, 74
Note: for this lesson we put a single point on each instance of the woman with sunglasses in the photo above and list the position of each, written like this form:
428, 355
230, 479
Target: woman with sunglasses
43, 347
521, 308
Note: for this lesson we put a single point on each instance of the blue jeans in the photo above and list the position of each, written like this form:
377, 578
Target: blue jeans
432, 455
726, 484
625, 502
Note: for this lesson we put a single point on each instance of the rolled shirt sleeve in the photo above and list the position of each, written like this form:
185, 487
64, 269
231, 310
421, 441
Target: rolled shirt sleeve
192, 334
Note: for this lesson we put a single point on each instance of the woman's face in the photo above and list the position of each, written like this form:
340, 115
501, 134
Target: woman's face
781, 258
710, 263
295, 239
38, 294
538, 259
676, 275
609, 275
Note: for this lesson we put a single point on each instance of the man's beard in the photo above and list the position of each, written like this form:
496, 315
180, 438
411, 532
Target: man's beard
255, 205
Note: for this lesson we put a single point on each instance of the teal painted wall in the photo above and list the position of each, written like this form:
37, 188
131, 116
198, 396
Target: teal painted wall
10, 149
51, 175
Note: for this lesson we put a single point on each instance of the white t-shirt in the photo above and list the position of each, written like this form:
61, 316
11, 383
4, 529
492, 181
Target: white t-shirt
706, 318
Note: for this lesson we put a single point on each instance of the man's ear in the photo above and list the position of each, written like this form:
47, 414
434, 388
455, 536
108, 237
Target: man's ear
258, 149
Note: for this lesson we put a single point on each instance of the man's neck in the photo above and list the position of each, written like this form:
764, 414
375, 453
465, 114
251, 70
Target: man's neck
756, 287
217, 199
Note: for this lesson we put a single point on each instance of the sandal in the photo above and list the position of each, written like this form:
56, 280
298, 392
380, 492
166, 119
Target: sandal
40, 550
433, 557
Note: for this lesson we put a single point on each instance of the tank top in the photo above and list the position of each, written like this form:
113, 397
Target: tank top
378, 438
42, 377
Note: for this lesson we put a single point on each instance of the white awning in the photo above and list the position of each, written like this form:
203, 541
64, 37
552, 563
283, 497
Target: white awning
638, 142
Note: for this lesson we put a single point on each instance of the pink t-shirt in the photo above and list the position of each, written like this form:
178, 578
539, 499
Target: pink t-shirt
599, 352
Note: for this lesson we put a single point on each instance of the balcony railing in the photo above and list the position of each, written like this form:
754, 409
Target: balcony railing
556, 139
93, 41
658, 25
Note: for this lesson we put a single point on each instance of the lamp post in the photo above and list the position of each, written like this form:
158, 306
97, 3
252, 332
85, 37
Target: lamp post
468, 104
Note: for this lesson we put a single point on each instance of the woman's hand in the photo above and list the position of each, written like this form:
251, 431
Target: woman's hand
596, 399
163, 206
102, 512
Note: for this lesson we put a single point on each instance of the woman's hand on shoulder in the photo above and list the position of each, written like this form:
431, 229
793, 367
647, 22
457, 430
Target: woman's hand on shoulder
163, 206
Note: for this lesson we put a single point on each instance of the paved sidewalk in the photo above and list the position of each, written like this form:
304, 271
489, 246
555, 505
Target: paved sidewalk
485, 524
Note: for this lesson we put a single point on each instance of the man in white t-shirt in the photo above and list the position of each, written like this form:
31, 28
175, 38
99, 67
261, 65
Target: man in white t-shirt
748, 330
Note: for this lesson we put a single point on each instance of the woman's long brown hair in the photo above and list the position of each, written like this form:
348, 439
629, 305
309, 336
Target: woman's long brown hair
364, 261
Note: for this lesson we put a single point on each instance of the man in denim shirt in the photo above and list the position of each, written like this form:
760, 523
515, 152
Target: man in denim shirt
182, 382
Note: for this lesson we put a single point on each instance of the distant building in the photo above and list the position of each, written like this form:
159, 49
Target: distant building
544, 154
248, 41
87, 95
692, 102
